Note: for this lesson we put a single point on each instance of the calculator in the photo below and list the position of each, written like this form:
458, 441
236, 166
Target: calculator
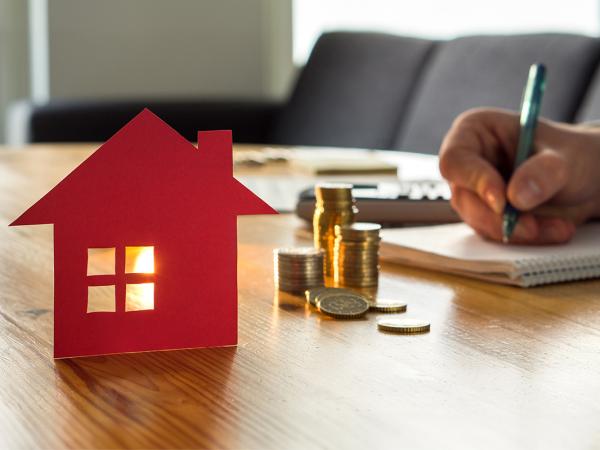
393, 204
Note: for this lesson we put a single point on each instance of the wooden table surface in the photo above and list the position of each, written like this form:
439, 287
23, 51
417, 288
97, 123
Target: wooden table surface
501, 368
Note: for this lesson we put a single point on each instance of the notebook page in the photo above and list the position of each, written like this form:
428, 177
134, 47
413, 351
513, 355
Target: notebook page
460, 242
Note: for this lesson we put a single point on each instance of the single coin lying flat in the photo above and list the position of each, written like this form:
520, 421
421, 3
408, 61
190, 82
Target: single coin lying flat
387, 306
343, 306
314, 294
404, 326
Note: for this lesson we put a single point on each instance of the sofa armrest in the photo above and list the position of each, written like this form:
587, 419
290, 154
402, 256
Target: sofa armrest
96, 121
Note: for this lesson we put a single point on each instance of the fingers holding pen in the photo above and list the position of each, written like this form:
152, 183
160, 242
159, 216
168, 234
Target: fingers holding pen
476, 151
530, 229
537, 180
477, 214
471, 172
472, 151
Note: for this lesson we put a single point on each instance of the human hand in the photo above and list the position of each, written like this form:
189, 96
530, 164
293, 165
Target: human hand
557, 188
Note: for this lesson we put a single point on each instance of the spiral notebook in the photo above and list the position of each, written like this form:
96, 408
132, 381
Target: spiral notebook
457, 249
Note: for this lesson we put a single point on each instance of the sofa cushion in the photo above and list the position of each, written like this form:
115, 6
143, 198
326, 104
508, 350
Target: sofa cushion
491, 71
353, 91
590, 106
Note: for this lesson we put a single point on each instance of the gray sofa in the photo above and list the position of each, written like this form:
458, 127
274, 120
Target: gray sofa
365, 90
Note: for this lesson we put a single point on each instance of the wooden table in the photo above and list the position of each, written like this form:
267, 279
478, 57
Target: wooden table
501, 368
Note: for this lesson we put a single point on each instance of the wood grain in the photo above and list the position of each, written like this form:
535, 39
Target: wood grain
501, 368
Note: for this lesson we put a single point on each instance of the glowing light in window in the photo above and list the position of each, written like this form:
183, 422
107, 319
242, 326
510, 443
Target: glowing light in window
101, 299
139, 297
139, 259
101, 261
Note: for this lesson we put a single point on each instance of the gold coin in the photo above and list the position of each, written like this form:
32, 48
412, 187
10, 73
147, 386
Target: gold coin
343, 305
404, 326
387, 306
353, 282
297, 252
359, 231
333, 191
362, 284
299, 274
364, 227
347, 279
313, 294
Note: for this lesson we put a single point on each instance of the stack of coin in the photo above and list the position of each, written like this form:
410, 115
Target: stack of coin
298, 269
335, 206
356, 254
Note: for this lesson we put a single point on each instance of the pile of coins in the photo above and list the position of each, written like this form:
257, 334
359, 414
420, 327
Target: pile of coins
298, 269
349, 252
349, 303
335, 206
356, 254
342, 303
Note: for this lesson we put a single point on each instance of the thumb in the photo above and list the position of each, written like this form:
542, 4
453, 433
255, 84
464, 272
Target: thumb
537, 180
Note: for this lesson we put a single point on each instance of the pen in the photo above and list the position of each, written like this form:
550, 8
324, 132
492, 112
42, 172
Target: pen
530, 110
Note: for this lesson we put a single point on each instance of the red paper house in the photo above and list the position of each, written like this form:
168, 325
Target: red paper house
145, 243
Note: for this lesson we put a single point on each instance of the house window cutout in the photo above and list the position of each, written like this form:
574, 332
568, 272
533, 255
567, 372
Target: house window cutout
139, 259
101, 299
136, 278
101, 261
139, 297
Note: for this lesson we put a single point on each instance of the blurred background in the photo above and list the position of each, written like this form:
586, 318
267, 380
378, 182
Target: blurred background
75, 55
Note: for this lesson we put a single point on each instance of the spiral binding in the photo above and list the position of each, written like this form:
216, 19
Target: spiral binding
536, 271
